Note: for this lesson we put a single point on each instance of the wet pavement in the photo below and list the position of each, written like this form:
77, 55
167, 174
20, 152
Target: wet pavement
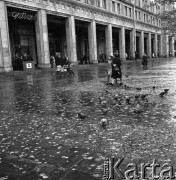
42, 136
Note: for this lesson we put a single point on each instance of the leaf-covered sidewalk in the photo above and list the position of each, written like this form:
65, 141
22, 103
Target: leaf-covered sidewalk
42, 136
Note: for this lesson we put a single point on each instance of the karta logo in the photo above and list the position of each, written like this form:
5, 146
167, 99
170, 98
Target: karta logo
143, 171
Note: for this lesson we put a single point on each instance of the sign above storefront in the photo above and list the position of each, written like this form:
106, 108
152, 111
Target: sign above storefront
21, 15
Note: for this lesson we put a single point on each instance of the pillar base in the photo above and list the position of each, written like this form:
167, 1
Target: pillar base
94, 62
123, 59
44, 66
133, 58
6, 69
74, 63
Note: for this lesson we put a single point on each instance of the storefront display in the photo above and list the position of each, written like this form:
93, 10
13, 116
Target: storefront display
22, 38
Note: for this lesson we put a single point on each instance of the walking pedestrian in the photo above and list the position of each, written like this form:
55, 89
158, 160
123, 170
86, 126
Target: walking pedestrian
116, 69
52, 61
69, 67
109, 69
144, 61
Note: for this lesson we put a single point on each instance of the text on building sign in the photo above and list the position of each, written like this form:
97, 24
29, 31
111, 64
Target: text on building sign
23, 15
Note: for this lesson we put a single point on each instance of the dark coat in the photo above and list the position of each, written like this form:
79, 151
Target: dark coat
116, 71
116, 68
117, 61
144, 60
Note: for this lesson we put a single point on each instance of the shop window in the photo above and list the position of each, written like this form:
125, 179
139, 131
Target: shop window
24, 40
24, 47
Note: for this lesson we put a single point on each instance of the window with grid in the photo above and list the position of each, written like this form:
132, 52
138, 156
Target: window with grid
92, 2
118, 8
130, 12
98, 3
136, 14
126, 12
113, 6
159, 22
104, 4
139, 15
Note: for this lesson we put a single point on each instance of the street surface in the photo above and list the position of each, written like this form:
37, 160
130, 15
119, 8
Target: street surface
42, 136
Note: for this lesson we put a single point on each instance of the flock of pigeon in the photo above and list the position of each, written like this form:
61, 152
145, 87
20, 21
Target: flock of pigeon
140, 101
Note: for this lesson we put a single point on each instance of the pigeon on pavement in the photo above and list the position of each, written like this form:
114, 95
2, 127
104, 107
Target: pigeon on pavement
81, 115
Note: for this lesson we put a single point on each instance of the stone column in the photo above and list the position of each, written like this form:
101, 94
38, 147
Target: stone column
110, 6
122, 43
71, 39
156, 45
120, 9
1, 53
115, 7
141, 44
166, 45
172, 46
149, 45
42, 40
109, 46
101, 4
92, 42
160, 47
141, 4
5, 55
132, 43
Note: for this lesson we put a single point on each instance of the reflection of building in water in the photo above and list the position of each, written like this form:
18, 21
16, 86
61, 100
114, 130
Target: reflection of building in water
7, 96
30, 79
84, 30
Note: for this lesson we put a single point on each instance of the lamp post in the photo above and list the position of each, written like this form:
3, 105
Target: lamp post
134, 24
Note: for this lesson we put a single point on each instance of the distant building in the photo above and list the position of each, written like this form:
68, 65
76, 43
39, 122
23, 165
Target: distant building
83, 30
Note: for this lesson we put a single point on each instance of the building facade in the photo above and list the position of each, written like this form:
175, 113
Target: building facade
77, 29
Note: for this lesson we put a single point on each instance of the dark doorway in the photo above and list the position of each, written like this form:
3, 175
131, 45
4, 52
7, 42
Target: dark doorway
82, 42
57, 38
158, 45
152, 44
127, 44
145, 43
137, 47
115, 37
101, 43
